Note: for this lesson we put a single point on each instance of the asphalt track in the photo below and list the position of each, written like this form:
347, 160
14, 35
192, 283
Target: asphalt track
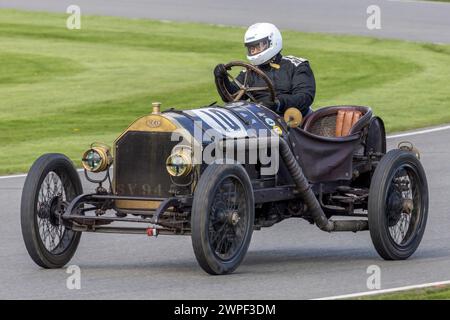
410, 20
292, 260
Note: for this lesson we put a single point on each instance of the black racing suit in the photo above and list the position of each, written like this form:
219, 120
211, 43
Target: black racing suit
293, 82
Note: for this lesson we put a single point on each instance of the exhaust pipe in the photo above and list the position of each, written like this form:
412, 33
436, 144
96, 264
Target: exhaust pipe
310, 199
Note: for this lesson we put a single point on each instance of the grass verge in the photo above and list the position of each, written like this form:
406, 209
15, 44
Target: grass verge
62, 89
432, 293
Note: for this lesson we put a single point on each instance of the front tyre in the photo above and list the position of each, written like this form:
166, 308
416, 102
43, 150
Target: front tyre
51, 184
398, 205
223, 214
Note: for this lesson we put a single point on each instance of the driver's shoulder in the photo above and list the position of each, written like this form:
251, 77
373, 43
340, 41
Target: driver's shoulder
293, 60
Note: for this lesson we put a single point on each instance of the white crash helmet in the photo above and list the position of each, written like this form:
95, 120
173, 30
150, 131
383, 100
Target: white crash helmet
263, 42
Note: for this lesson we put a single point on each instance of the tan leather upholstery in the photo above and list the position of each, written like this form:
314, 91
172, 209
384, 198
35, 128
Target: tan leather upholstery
328, 122
345, 120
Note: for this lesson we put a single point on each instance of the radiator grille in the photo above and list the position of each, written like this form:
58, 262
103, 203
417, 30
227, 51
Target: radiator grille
140, 164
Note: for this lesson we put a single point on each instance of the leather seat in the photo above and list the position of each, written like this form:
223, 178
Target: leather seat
337, 121
345, 120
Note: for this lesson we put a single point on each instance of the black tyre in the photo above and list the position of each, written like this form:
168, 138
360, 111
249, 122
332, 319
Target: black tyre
398, 205
51, 184
223, 214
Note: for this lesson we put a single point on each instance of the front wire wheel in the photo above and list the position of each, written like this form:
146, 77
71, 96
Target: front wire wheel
50, 201
51, 184
222, 218
228, 218
398, 205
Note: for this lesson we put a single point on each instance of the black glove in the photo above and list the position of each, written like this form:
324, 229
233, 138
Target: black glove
220, 71
267, 101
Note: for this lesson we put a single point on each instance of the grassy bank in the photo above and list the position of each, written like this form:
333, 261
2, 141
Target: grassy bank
62, 89
432, 293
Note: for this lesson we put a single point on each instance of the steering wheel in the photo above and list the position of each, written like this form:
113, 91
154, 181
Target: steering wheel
244, 89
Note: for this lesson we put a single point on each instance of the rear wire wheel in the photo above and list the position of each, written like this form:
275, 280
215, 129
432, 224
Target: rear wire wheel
398, 205
222, 218
51, 184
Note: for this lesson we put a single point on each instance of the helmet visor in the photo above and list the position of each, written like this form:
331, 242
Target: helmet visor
258, 46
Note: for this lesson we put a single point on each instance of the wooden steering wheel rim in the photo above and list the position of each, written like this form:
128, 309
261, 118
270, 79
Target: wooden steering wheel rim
243, 88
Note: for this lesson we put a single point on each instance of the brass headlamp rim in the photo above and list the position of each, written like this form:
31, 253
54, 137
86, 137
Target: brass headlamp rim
185, 154
105, 154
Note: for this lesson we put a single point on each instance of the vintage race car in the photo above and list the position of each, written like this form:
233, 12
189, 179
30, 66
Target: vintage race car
217, 173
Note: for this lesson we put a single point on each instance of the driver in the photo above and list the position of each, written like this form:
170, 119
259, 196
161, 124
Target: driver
292, 77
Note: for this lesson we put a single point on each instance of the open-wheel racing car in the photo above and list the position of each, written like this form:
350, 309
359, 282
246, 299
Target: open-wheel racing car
201, 173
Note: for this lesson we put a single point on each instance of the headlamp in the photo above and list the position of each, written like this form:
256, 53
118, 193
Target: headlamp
179, 163
97, 159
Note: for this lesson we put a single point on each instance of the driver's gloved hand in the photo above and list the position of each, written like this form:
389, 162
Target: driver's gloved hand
274, 105
220, 71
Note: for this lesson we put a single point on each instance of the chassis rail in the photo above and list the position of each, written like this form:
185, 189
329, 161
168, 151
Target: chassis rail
74, 216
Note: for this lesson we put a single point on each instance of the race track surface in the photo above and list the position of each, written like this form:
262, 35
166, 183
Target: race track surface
410, 20
292, 260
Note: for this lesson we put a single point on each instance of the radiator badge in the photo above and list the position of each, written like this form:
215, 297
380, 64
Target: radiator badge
153, 123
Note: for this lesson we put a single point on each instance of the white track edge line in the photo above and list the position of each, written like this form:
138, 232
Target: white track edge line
23, 175
400, 135
391, 290
412, 133
420, 1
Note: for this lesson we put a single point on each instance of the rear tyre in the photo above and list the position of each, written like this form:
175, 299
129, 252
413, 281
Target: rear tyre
398, 205
223, 214
51, 184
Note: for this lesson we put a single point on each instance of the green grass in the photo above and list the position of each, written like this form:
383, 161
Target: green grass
62, 89
432, 293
